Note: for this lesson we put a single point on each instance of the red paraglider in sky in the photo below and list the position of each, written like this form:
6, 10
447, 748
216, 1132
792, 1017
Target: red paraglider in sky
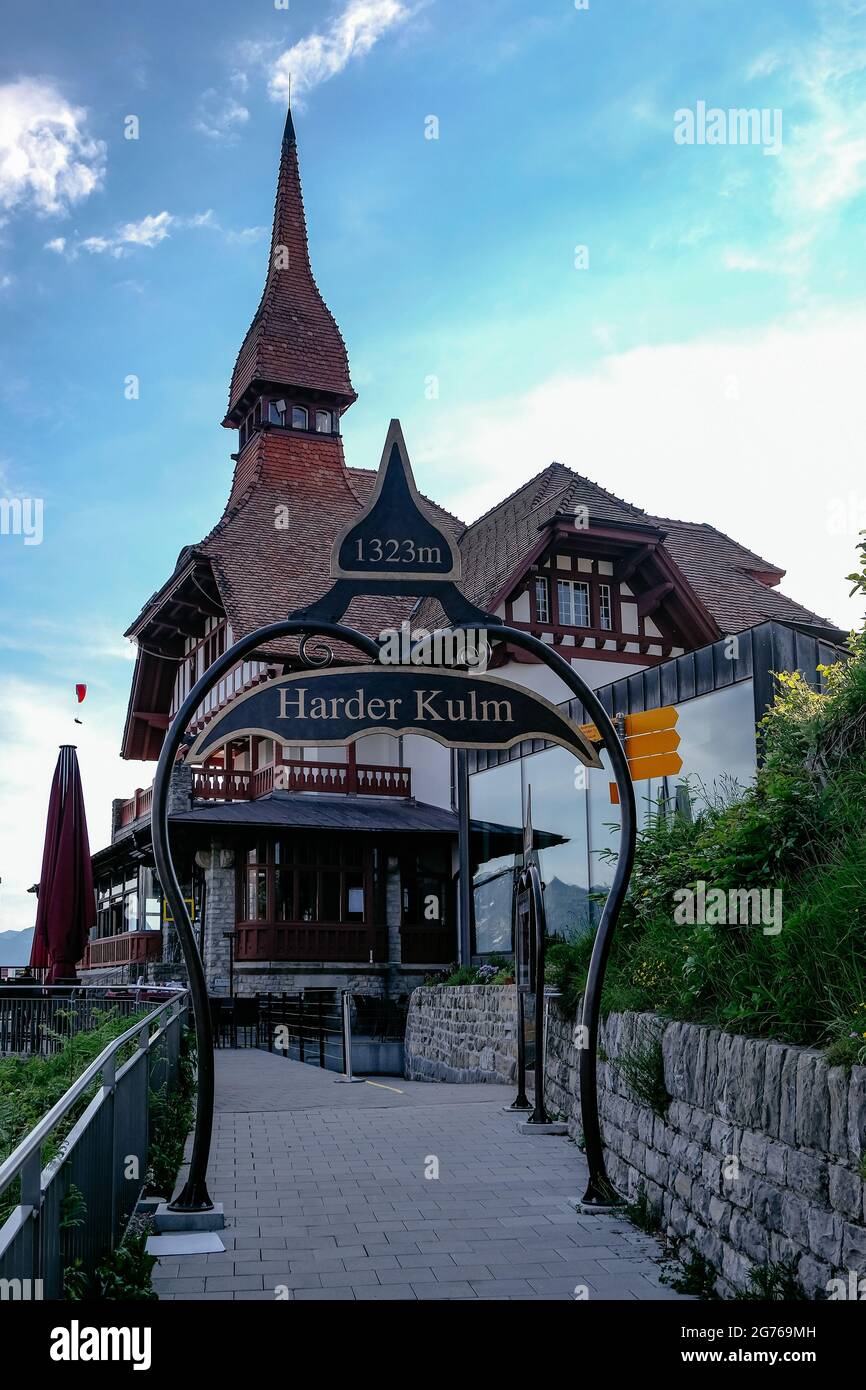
81, 691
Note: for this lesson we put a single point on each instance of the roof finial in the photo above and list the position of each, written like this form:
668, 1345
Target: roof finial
289, 137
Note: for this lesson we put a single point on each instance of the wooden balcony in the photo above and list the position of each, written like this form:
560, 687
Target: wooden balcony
138, 805
128, 948
310, 941
353, 779
216, 784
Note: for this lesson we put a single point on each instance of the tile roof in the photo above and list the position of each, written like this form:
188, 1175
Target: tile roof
718, 569
293, 339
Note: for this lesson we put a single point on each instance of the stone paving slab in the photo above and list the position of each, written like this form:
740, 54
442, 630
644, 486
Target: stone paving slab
326, 1198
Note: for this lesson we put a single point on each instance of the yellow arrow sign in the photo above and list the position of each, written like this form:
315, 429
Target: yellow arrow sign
665, 741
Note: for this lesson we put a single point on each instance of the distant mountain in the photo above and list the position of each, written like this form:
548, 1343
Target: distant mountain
568, 908
15, 946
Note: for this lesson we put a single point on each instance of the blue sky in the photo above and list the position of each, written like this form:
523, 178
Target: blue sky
707, 363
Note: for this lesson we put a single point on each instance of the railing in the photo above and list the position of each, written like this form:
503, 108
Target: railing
100, 1163
138, 805
317, 941
325, 1027
362, 779
40, 1019
127, 948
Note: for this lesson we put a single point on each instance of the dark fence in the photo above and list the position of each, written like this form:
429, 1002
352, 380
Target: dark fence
311, 1027
40, 1019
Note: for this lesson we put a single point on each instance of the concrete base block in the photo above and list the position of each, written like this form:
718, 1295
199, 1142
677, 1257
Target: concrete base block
555, 1127
594, 1208
165, 1220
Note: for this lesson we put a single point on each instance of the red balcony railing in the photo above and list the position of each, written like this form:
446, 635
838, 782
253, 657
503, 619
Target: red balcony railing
138, 805
215, 784
125, 949
314, 941
362, 779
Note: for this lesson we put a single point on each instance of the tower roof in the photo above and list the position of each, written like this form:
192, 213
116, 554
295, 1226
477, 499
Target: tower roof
293, 340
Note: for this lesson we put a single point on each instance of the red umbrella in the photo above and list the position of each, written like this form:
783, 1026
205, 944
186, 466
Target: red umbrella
66, 908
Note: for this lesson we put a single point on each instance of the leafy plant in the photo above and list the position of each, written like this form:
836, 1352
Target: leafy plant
775, 1283
643, 1213
172, 1114
125, 1275
643, 1069
800, 828
688, 1271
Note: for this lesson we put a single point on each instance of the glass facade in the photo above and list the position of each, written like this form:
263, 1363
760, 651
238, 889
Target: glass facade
577, 823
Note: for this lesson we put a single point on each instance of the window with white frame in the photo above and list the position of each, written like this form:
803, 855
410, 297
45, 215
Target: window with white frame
573, 600
542, 600
605, 607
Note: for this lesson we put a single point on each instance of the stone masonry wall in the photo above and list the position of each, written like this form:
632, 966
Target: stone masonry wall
756, 1159
462, 1033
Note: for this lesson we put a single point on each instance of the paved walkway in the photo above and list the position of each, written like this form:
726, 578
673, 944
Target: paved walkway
326, 1197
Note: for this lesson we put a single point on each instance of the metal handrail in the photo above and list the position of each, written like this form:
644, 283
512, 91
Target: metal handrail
32, 1143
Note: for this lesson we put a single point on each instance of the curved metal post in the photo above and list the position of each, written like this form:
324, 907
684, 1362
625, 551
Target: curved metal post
600, 1191
194, 1196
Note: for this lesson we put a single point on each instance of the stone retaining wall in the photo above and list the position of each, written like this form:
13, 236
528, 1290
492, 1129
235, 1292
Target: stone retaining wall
754, 1160
462, 1033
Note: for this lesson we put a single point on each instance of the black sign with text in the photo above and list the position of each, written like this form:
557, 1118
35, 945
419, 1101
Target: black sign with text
334, 707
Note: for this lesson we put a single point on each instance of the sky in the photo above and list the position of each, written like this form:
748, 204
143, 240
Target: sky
531, 251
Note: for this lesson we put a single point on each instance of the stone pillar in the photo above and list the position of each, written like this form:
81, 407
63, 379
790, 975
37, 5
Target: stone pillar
218, 862
180, 789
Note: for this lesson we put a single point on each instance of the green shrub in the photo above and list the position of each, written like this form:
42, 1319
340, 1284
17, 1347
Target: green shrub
643, 1069
800, 828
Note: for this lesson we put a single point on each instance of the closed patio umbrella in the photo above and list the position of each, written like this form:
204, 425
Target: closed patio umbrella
66, 908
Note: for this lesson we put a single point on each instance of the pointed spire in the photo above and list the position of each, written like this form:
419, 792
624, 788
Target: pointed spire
293, 340
289, 137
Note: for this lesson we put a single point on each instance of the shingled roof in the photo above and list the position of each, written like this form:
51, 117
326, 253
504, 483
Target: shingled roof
293, 339
721, 572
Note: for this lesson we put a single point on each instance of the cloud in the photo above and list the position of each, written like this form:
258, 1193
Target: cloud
321, 56
48, 160
6, 281
148, 232
759, 434
220, 117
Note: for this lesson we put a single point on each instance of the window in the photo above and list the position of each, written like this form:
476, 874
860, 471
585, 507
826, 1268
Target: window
542, 600
573, 600
605, 607
303, 880
300, 418
323, 422
277, 412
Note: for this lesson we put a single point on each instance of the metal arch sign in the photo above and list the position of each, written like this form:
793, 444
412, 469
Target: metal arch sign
333, 707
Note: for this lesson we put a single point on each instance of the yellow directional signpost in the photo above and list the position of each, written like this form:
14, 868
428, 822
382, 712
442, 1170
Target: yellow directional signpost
651, 743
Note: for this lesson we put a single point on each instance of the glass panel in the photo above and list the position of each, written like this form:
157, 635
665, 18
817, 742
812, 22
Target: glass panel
573, 600
354, 898
284, 888
542, 600
130, 912
306, 896
323, 421
257, 895
329, 897
559, 814
299, 417
496, 834
605, 610
493, 890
